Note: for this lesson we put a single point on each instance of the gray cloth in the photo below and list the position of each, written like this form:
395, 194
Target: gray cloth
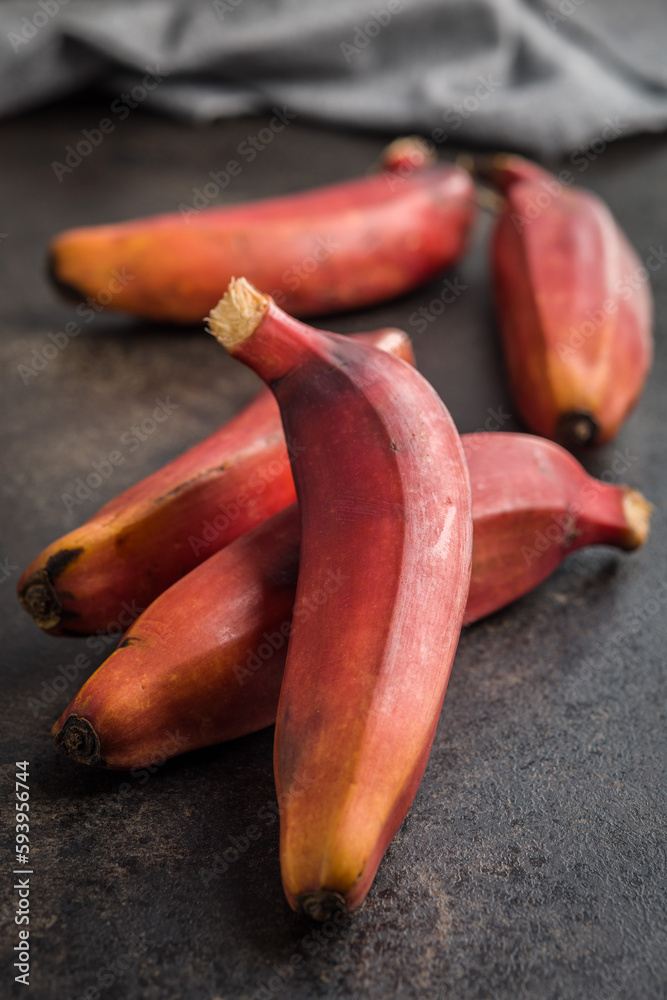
544, 76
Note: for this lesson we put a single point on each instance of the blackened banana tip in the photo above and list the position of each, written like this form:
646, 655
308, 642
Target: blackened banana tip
38, 597
322, 905
577, 430
77, 739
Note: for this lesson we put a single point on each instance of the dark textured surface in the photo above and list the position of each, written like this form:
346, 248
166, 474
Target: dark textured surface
532, 863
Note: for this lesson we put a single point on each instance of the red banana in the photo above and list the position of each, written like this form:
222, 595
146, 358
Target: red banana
327, 250
532, 505
386, 542
574, 306
162, 527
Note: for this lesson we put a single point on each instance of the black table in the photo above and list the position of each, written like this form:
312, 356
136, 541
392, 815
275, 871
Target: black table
532, 863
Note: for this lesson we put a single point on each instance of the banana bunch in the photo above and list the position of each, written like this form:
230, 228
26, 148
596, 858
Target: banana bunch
311, 563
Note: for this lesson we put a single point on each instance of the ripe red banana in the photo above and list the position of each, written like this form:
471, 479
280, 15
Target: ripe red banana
162, 527
532, 504
330, 249
574, 306
386, 540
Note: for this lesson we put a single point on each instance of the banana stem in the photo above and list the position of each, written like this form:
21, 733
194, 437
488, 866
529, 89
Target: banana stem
322, 906
79, 740
238, 314
38, 597
637, 510
577, 430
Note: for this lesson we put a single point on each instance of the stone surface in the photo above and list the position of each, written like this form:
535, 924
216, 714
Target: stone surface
533, 860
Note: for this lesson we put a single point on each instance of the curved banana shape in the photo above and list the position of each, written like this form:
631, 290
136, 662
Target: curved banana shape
327, 250
574, 306
386, 539
152, 534
532, 505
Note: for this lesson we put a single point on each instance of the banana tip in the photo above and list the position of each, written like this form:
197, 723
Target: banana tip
484, 166
322, 905
38, 597
78, 739
408, 152
637, 510
69, 292
238, 313
577, 430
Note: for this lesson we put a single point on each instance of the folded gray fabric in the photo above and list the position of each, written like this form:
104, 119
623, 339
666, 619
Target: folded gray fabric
546, 76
